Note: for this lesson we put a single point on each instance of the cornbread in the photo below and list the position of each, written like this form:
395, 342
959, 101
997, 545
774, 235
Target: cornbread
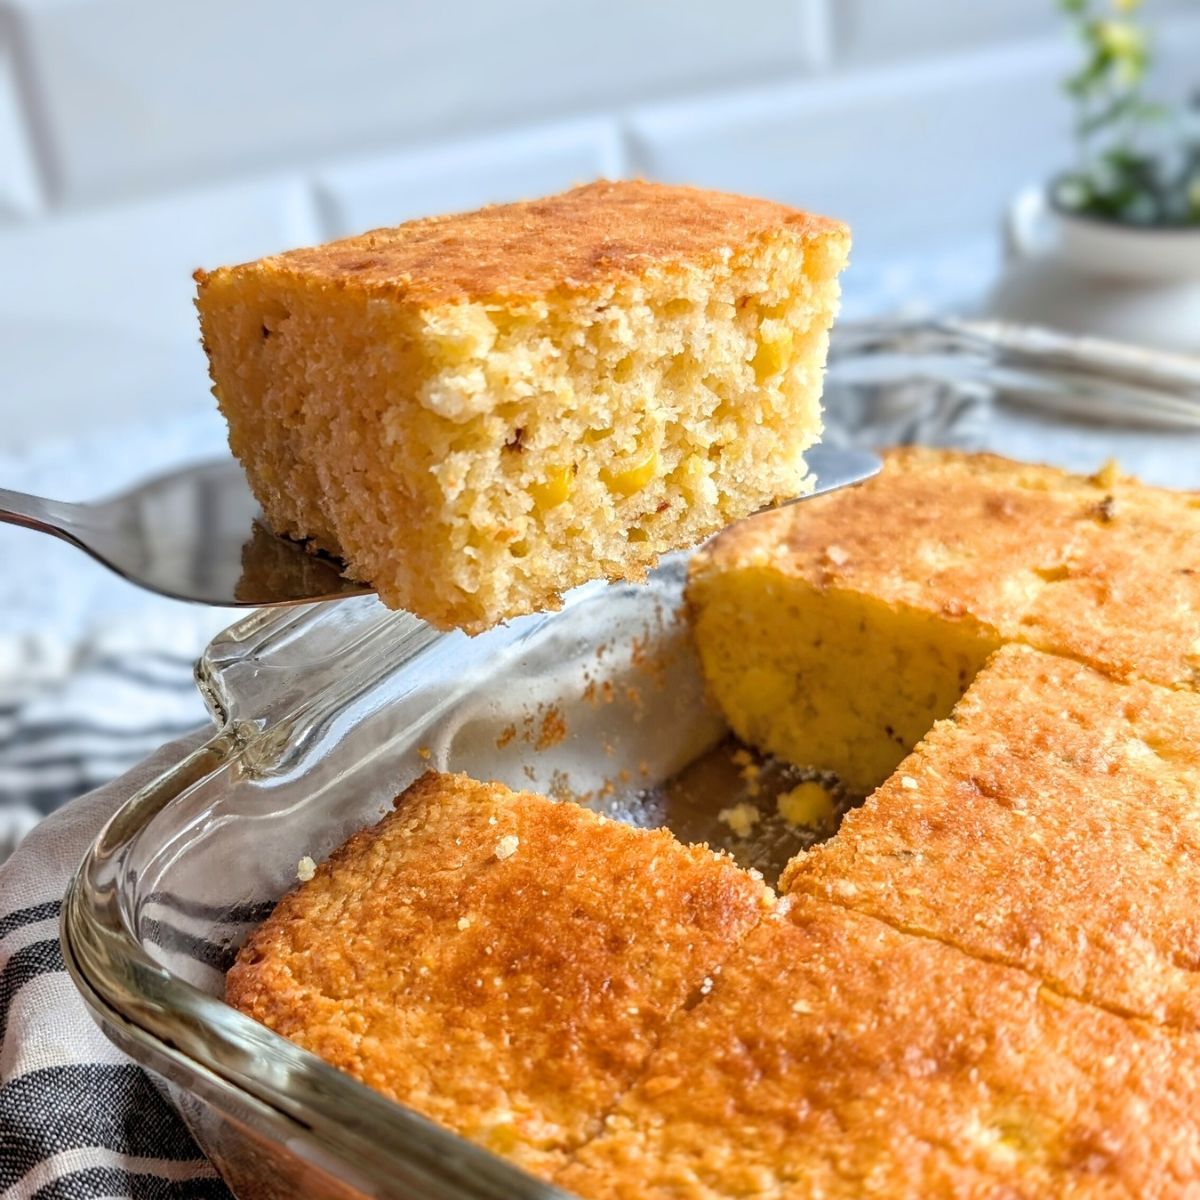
1053, 823
477, 412
1127, 597
500, 962
836, 632
837, 1057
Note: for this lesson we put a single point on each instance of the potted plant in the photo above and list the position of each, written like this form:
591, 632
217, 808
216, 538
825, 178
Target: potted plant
1112, 245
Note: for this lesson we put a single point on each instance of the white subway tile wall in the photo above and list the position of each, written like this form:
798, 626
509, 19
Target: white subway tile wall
20, 190
97, 324
880, 30
907, 173
141, 139
385, 188
138, 93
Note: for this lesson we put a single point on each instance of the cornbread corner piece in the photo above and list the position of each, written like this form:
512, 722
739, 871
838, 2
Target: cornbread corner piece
1053, 823
478, 412
501, 963
838, 1057
835, 632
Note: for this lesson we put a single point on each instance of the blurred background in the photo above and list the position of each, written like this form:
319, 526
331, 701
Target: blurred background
141, 139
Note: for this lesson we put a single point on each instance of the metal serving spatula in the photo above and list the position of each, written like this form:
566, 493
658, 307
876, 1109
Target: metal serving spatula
195, 534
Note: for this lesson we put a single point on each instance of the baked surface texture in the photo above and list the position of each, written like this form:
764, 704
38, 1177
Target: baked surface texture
983, 986
480, 411
1052, 822
837, 1057
501, 963
835, 632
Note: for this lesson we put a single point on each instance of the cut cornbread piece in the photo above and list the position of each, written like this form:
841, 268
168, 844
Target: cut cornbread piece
834, 633
1127, 597
1053, 822
500, 962
837, 1057
480, 411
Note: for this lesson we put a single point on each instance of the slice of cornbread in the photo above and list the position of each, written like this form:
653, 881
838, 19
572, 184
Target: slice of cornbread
835, 632
837, 1057
1127, 597
1053, 822
480, 411
500, 962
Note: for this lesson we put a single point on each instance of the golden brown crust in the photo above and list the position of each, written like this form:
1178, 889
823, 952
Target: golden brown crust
509, 989
1052, 823
1127, 598
938, 530
574, 241
837, 1057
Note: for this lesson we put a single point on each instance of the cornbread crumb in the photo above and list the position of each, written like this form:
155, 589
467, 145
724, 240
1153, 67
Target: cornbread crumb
306, 868
480, 411
577, 954
506, 847
741, 818
552, 731
808, 805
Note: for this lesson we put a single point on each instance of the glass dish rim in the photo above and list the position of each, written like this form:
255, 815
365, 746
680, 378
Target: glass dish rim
210, 1049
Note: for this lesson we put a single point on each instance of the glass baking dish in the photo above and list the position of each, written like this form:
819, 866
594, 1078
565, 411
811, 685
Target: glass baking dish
324, 713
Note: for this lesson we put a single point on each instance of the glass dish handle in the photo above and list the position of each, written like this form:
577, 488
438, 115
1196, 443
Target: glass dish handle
1083, 378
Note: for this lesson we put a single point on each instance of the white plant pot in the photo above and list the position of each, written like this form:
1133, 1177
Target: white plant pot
1090, 276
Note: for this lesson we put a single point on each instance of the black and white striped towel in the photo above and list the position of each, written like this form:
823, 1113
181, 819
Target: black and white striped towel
78, 1120
72, 718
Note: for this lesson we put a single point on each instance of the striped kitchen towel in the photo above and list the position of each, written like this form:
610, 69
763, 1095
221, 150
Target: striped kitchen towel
77, 1119
74, 717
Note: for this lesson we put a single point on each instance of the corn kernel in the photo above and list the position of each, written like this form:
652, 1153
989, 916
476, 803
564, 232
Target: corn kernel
633, 478
773, 354
1108, 476
554, 489
808, 805
502, 1138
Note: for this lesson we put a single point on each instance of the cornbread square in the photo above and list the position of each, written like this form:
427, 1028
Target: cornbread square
477, 412
835, 632
1053, 823
837, 1057
501, 963
1126, 598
